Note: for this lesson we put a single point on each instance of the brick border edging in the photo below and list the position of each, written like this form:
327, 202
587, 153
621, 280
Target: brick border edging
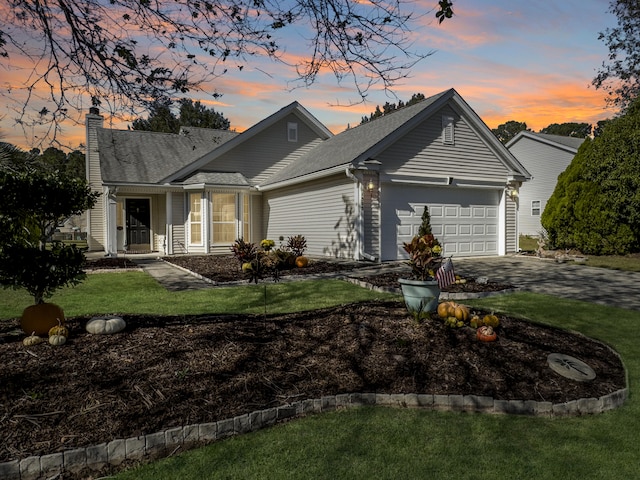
155, 445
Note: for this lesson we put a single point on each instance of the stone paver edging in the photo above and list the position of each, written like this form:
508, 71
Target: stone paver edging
159, 444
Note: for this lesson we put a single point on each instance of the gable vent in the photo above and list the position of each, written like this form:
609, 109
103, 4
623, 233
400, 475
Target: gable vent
447, 130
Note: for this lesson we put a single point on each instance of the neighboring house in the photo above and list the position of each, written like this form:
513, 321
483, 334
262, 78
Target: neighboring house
359, 194
545, 157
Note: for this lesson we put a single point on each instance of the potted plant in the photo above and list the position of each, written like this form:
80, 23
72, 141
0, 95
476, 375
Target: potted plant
421, 291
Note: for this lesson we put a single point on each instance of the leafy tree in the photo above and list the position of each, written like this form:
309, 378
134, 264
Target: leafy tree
578, 130
508, 130
600, 126
620, 73
194, 114
162, 119
392, 107
121, 53
35, 200
595, 206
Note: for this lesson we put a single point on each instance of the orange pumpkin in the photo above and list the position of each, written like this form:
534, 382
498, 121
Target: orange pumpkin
461, 313
301, 261
486, 334
41, 318
446, 309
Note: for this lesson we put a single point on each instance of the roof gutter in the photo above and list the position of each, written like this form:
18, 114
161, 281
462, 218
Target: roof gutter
303, 178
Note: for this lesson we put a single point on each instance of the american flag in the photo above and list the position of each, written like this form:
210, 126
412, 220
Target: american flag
445, 274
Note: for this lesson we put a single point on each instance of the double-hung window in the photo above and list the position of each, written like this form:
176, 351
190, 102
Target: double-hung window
223, 217
195, 218
535, 208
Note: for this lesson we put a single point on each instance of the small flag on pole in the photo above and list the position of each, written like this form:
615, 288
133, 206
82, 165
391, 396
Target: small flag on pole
445, 274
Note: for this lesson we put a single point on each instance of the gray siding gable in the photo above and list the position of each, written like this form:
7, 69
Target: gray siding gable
364, 142
268, 151
422, 150
245, 138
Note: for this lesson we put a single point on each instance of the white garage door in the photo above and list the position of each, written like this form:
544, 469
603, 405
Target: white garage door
465, 221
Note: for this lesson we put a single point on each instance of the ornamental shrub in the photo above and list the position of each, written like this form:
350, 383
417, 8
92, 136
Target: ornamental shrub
595, 206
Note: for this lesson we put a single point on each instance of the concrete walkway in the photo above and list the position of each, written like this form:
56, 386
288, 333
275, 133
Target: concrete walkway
567, 280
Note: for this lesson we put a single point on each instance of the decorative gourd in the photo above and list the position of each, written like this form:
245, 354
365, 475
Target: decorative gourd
105, 325
486, 334
41, 317
32, 339
446, 309
461, 313
491, 320
59, 330
475, 321
57, 340
302, 261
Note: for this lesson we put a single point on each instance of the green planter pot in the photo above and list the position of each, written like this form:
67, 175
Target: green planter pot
420, 296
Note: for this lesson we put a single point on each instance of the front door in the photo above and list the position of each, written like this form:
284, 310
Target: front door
138, 224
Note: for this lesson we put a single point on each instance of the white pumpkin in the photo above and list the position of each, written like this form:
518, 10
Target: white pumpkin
57, 340
105, 325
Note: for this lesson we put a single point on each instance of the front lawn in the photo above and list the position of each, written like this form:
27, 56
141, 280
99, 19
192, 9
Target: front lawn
137, 292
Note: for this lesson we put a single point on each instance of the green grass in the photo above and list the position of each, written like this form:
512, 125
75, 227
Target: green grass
387, 443
628, 263
528, 243
137, 292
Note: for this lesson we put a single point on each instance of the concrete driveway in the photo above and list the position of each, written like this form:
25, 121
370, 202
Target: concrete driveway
579, 282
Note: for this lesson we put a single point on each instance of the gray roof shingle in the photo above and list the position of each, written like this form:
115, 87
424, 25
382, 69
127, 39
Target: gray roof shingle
142, 157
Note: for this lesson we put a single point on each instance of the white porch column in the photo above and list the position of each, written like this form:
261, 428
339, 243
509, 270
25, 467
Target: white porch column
168, 238
111, 233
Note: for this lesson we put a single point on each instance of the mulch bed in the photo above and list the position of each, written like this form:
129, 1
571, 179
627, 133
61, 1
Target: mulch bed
163, 372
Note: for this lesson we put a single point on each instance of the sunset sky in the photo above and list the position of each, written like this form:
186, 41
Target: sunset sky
524, 60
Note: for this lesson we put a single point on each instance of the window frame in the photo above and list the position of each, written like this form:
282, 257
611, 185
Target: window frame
214, 222
192, 222
534, 209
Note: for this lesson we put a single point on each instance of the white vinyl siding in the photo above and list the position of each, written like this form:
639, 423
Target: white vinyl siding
511, 240
545, 163
323, 211
535, 208
178, 217
96, 217
422, 153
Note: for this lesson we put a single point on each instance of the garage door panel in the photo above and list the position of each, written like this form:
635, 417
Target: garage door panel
464, 220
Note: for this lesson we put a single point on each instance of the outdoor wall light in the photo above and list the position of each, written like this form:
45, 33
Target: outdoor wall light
370, 185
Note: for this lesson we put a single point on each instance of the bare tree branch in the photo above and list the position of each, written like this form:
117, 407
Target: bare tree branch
126, 53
